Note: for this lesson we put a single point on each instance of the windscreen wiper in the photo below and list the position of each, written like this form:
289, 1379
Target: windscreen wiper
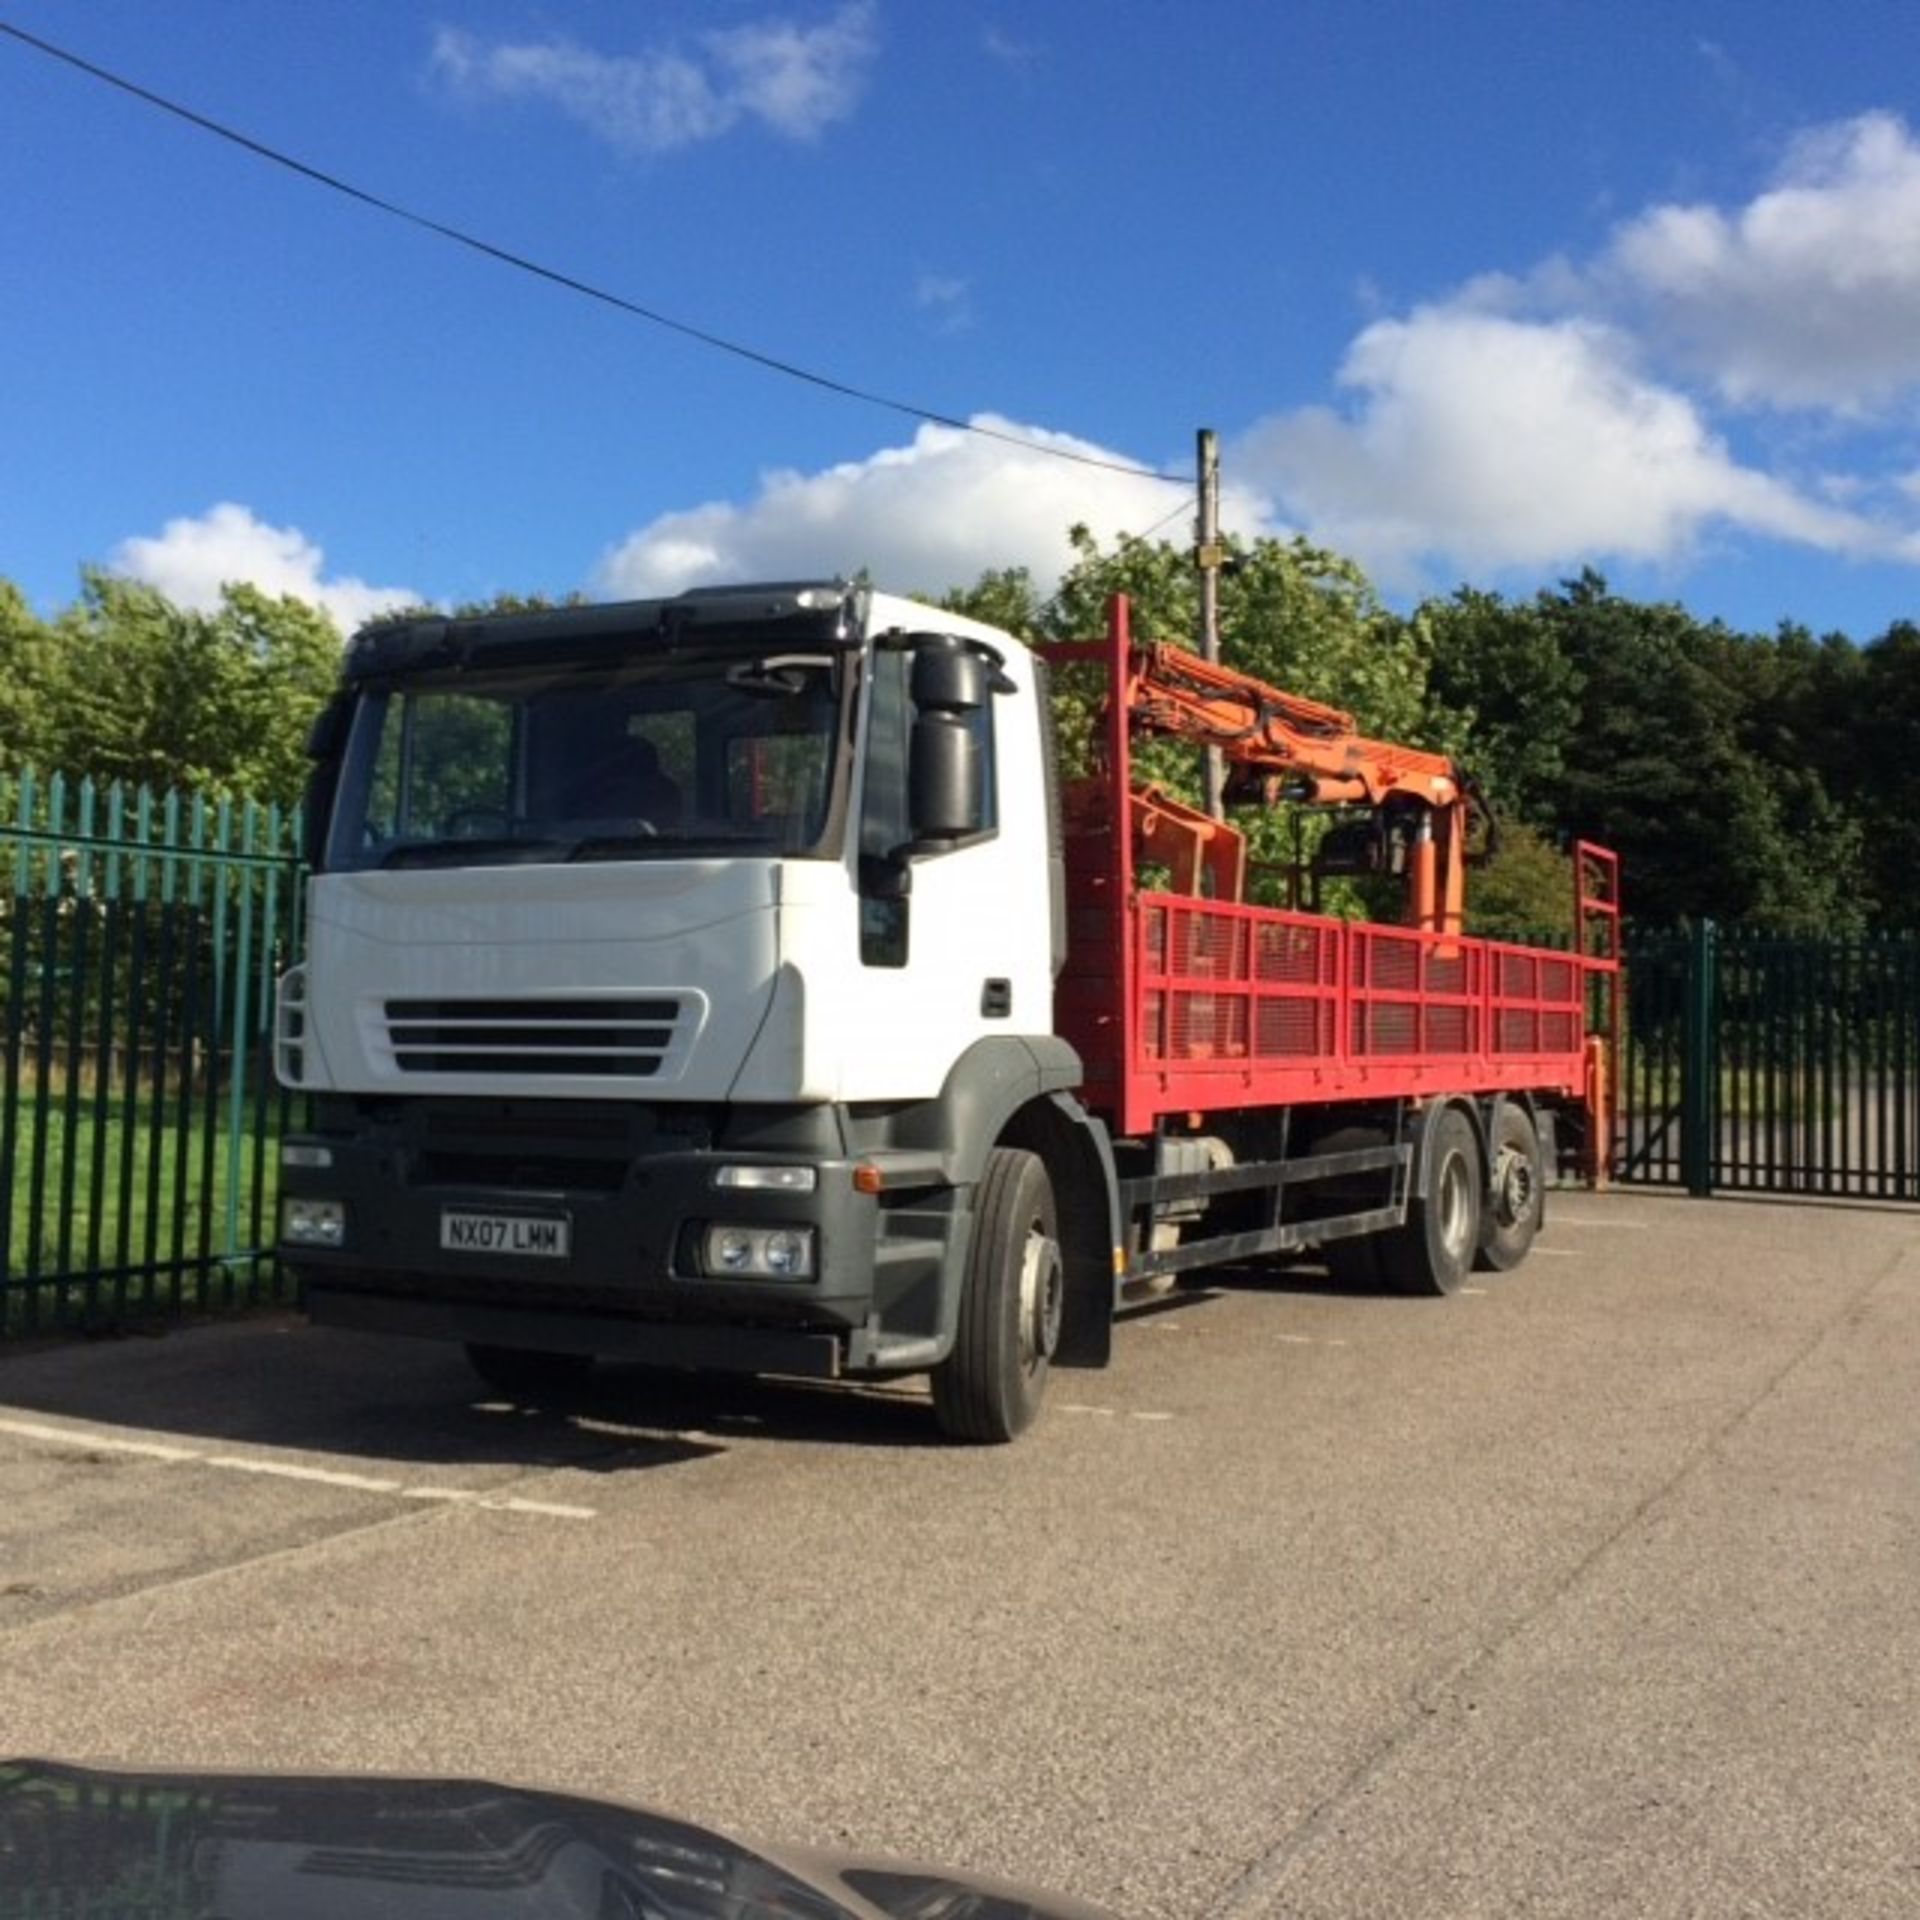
458, 852
609, 846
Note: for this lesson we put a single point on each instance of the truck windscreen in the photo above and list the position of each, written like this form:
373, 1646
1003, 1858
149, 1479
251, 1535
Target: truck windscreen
676, 756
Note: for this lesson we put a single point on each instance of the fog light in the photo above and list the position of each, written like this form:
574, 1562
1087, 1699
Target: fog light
759, 1253
313, 1223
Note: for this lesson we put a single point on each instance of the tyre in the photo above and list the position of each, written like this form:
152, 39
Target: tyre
1433, 1252
524, 1373
1354, 1263
1516, 1199
990, 1387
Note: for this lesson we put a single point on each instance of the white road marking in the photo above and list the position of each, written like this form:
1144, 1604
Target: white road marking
1474, 1293
90, 1440
288, 1470
100, 1442
1562, 1218
1554, 1253
552, 1509
467, 1496
1109, 1413
1294, 1339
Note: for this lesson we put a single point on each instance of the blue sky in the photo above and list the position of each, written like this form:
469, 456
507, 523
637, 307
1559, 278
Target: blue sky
1476, 292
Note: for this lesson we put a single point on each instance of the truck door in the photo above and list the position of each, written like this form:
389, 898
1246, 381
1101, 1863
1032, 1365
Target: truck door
954, 929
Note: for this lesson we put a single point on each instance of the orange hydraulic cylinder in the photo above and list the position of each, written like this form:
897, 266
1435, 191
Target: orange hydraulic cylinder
1599, 1112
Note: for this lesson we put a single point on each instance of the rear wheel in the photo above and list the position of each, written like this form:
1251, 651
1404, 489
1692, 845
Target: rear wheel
1516, 1192
991, 1386
1354, 1262
1433, 1252
525, 1373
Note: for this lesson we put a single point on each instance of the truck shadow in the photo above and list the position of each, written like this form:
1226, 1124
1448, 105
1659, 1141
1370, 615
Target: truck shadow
1306, 1276
277, 1383
711, 1407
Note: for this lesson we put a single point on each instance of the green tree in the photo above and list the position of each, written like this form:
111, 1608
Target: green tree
28, 663
1003, 597
1525, 889
1670, 765
1885, 741
148, 692
290, 655
1291, 613
1500, 681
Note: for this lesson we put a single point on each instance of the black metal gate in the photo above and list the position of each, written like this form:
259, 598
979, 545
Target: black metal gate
1772, 1064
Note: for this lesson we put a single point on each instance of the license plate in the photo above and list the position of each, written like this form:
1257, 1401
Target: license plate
526, 1235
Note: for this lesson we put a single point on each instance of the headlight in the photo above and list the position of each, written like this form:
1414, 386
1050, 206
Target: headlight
313, 1223
758, 1253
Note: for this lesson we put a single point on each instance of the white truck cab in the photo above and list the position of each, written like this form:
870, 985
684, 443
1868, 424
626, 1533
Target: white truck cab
677, 974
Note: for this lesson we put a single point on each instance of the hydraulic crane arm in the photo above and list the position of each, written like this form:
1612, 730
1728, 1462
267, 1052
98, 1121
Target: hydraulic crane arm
1285, 746
1176, 693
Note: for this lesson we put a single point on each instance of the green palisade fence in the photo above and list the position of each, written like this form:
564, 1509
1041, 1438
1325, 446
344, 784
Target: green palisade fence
1768, 1063
140, 936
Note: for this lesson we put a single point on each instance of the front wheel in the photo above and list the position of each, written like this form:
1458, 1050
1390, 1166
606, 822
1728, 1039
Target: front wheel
525, 1373
991, 1385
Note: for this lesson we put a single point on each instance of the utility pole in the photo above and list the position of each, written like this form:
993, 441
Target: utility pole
1207, 555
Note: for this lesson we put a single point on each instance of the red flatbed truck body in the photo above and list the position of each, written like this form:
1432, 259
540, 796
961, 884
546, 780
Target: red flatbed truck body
1185, 1006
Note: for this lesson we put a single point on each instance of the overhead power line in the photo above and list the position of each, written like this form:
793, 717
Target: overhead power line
554, 277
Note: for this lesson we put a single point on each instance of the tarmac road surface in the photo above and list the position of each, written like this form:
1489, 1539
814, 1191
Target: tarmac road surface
1595, 1591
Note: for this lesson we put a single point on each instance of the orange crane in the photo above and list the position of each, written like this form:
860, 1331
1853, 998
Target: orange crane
1283, 746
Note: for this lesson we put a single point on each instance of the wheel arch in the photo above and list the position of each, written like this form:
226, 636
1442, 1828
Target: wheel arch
990, 1097
986, 1088
1426, 1123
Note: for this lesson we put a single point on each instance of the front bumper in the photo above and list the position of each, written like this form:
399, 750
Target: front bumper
637, 1209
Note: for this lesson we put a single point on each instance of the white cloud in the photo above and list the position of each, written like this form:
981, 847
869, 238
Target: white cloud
1581, 409
946, 299
799, 80
192, 559
796, 80
1808, 295
1494, 442
1020, 55
919, 518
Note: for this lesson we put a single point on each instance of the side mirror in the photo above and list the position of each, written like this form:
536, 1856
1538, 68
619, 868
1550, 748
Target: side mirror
945, 791
946, 784
949, 676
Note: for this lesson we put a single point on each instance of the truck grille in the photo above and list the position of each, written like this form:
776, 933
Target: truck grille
622, 1037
